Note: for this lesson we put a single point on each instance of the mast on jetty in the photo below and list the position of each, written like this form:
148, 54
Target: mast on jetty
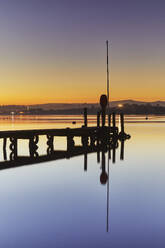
107, 224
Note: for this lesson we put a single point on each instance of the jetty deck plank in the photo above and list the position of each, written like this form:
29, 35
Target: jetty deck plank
25, 134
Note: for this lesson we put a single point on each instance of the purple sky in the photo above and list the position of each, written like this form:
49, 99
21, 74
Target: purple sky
67, 36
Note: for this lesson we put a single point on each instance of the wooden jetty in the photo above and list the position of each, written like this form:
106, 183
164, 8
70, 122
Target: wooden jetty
93, 139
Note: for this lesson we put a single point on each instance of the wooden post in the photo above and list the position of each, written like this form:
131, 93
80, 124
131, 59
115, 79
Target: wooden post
122, 123
109, 120
85, 117
4, 148
70, 140
114, 119
103, 117
50, 148
33, 146
98, 119
92, 140
13, 148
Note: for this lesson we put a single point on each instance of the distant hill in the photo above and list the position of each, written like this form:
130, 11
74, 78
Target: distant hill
129, 107
61, 106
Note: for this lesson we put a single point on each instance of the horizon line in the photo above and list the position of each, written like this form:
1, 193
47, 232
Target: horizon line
81, 103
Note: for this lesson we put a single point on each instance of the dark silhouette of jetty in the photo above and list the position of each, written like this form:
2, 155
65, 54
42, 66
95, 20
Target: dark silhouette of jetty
97, 141
93, 139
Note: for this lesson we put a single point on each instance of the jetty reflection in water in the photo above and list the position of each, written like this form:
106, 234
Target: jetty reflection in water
100, 148
102, 151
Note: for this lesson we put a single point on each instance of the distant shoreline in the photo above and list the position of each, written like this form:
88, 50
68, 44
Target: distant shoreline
128, 107
128, 114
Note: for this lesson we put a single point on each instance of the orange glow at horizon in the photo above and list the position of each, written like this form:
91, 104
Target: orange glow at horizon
80, 83
73, 92
23, 100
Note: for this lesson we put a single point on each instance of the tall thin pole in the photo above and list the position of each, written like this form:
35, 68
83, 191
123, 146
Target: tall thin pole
107, 72
108, 156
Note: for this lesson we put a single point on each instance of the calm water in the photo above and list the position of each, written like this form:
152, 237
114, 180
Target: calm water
58, 204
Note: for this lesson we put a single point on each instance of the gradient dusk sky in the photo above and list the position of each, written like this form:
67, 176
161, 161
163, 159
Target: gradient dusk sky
55, 50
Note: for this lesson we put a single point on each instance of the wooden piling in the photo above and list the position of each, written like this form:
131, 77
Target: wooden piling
114, 120
122, 123
109, 120
13, 148
98, 119
103, 117
85, 117
70, 140
50, 149
33, 146
4, 148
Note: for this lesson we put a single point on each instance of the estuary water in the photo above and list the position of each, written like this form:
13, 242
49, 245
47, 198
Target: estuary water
58, 204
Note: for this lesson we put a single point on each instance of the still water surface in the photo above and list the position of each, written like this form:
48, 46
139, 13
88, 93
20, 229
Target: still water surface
58, 204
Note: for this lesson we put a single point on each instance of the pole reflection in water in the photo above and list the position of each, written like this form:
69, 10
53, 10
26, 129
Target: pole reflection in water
109, 156
105, 177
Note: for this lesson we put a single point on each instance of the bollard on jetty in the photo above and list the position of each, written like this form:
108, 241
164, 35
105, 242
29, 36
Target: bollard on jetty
103, 103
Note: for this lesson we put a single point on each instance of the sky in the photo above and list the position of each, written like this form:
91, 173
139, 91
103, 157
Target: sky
55, 50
